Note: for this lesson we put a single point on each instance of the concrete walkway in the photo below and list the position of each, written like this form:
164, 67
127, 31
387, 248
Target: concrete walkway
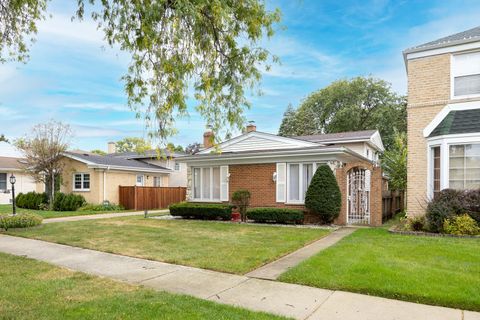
299, 302
274, 269
101, 216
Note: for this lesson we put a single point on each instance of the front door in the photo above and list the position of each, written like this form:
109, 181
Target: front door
358, 196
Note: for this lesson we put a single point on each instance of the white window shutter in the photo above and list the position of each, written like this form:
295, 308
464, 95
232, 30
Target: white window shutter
367, 180
281, 188
224, 183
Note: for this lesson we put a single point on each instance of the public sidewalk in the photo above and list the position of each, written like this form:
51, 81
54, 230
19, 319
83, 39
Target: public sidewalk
299, 302
101, 216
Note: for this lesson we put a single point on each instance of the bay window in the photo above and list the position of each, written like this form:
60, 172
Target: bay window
464, 166
206, 184
299, 176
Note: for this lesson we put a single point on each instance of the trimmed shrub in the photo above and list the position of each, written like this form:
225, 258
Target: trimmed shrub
275, 215
416, 223
101, 207
22, 220
461, 225
31, 200
450, 203
205, 211
323, 195
67, 202
241, 199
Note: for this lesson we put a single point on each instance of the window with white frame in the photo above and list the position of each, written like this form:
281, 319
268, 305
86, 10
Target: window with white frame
3, 181
177, 166
466, 74
206, 183
140, 180
81, 182
464, 166
299, 176
157, 181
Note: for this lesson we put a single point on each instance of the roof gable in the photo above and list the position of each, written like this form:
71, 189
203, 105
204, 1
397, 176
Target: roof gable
368, 136
460, 37
256, 140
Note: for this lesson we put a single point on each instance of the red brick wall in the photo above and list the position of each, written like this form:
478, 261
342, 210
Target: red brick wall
257, 178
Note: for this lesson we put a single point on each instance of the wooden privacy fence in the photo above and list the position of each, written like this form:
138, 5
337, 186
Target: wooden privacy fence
147, 198
392, 203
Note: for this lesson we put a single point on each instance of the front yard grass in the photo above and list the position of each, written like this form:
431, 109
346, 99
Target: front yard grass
227, 247
432, 270
36, 290
7, 209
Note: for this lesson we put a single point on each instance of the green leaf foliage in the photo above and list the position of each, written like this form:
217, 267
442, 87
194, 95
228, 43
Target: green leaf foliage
323, 195
132, 144
394, 162
22, 220
362, 103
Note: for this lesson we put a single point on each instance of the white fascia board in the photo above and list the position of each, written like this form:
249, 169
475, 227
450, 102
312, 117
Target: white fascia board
10, 170
342, 154
442, 50
77, 158
445, 111
298, 142
376, 141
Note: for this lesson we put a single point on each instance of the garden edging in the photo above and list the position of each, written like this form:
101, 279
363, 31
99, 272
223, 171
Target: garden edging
429, 234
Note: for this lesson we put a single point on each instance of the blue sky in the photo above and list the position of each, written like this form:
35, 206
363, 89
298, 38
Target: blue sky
72, 77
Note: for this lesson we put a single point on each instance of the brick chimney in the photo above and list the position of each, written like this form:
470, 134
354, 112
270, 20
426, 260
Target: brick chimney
112, 147
251, 127
208, 139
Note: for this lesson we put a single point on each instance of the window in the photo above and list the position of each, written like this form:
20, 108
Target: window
464, 166
81, 182
466, 74
3, 181
140, 180
299, 176
436, 170
157, 181
206, 183
177, 166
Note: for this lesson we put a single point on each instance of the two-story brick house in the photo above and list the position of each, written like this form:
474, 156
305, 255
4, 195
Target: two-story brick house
443, 117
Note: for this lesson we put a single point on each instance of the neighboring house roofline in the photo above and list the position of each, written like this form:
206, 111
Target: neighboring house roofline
93, 165
12, 164
148, 154
462, 41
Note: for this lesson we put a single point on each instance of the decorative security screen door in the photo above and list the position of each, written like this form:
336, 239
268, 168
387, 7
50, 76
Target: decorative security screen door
358, 196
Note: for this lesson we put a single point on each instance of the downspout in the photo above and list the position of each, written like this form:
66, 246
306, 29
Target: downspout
104, 183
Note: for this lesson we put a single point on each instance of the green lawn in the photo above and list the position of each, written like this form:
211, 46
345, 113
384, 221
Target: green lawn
439, 271
36, 290
7, 209
217, 246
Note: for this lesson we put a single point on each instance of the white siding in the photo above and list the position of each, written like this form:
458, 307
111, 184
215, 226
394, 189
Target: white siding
258, 143
23, 184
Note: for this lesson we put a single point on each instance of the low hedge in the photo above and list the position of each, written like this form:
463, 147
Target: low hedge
101, 207
22, 220
275, 215
205, 211
31, 200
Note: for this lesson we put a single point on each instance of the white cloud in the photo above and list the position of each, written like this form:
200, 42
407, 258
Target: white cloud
97, 106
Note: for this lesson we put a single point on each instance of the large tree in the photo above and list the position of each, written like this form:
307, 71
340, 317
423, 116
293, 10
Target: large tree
132, 144
360, 103
209, 47
43, 150
394, 162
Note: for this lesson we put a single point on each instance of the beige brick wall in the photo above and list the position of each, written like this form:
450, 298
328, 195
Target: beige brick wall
428, 93
113, 179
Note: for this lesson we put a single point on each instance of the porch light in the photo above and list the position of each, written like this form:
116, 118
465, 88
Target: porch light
274, 177
12, 179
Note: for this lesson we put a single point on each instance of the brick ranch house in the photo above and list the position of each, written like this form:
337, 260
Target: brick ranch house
277, 171
443, 117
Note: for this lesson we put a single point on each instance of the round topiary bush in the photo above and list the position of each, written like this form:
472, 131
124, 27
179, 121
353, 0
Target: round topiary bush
323, 195
22, 220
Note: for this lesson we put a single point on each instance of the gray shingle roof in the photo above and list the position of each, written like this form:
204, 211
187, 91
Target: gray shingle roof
115, 161
461, 37
12, 163
461, 121
147, 154
341, 136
